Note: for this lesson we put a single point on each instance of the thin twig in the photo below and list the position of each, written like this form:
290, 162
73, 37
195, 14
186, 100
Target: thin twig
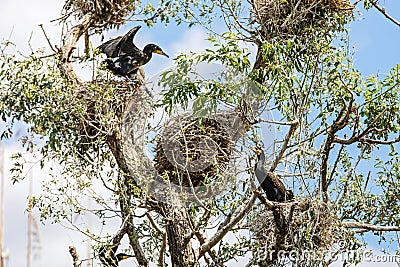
383, 11
293, 127
154, 224
47, 38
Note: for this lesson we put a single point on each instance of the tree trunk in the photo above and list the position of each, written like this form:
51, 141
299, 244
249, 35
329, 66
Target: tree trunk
179, 233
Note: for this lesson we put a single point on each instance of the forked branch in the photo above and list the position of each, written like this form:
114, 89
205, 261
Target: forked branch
68, 47
210, 243
341, 122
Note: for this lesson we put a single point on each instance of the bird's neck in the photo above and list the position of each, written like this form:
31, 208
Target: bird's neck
261, 157
259, 167
260, 163
147, 50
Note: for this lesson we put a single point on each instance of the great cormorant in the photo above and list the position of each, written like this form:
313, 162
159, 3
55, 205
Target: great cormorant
123, 57
271, 184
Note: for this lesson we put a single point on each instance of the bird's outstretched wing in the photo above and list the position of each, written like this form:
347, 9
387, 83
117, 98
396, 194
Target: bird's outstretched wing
111, 47
126, 46
121, 45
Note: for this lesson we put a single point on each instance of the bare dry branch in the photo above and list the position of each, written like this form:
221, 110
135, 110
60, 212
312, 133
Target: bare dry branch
357, 138
47, 38
68, 46
341, 121
210, 243
75, 257
383, 11
370, 227
293, 126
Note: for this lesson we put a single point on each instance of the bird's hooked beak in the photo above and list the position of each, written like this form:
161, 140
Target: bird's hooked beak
160, 52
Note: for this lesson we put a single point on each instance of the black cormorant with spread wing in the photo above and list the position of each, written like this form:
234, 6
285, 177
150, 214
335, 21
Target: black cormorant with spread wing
123, 57
271, 184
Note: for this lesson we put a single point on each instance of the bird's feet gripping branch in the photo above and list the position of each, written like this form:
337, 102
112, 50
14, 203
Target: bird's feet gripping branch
124, 58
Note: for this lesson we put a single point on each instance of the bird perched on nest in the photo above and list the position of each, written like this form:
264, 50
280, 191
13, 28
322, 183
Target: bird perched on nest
124, 58
271, 184
109, 259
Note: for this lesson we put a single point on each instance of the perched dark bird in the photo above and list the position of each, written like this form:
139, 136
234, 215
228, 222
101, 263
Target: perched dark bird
123, 57
109, 259
271, 184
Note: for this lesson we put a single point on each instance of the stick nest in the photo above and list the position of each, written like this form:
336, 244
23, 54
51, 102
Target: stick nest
293, 226
102, 104
110, 13
191, 150
295, 18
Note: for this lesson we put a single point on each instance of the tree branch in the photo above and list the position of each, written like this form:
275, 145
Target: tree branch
383, 11
370, 227
162, 250
269, 204
137, 248
202, 240
341, 121
210, 243
367, 141
164, 239
293, 126
68, 47
75, 257
379, 142
356, 138
154, 224
119, 235
47, 38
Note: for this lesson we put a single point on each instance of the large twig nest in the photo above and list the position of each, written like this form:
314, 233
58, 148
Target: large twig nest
292, 227
110, 13
191, 150
101, 105
295, 18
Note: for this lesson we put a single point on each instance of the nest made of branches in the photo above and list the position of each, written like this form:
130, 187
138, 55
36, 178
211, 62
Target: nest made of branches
287, 19
192, 150
293, 226
109, 13
101, 105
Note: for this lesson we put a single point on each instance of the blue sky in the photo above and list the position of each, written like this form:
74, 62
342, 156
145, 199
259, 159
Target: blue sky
376, 45
376, 40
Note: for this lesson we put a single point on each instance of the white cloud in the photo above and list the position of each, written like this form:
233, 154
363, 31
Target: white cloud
54, 239
20, 19
192, 40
